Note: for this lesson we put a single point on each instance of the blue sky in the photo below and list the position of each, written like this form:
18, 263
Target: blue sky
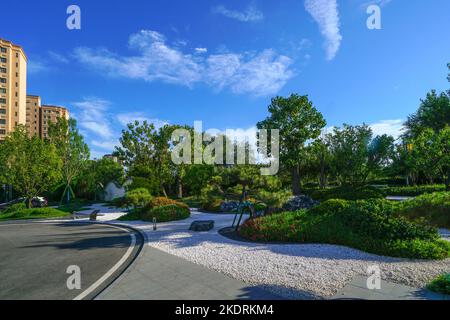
222, 61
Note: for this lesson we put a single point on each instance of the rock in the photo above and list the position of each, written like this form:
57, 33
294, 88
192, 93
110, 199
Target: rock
202, 225
299, 202
229, 206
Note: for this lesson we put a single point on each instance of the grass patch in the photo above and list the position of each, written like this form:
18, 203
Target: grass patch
432, 209
369, 225
440, 284
34, 213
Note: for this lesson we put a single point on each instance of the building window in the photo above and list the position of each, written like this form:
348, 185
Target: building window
17, 54
2, 131
2, 90
3, 60
2, 121
2, 111
2, 100
3, 50
2, 80
3, 70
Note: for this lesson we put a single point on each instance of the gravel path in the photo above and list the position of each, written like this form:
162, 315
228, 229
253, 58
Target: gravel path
299, 271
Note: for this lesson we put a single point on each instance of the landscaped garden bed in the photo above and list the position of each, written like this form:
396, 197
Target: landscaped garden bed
373, 226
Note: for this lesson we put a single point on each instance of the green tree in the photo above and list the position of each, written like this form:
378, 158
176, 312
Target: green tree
298, 121
72, 150
30, 165
433, 113
97, 174
350, 153
430, 151
381, 152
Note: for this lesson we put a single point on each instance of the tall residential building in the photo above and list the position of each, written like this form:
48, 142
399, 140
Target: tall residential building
34, 115
13, 87
51, 114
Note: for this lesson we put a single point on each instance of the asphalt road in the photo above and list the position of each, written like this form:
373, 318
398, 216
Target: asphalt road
34, 258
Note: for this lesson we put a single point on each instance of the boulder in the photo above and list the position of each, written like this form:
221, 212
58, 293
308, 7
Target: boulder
299, 202
202, 225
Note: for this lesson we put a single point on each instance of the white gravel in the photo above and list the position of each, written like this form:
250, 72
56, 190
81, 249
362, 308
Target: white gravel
298, 271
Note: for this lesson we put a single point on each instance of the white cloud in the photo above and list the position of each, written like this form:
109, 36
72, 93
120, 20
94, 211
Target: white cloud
91, 115
201, 50
390, 127
325, 13
105, 145
381, 3
35, 67
261, 73
58, 57
251, 14
125, 118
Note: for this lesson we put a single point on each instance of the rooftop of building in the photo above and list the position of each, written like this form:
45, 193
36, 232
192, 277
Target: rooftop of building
15, 46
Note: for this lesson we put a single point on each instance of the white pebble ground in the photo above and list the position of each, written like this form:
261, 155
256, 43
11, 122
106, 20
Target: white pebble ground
298, 271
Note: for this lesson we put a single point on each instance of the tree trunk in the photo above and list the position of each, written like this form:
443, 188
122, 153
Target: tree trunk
179, 188
296, 181
164, 191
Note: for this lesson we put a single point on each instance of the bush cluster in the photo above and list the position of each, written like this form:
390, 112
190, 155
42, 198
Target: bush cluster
368, 225
441, 284
14, 208
171, 212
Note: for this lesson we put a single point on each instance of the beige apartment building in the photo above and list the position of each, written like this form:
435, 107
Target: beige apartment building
34, 115
13, 87
16, 107
51, 114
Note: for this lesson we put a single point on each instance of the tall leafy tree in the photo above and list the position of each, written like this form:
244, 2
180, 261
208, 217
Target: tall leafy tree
72, 150
30, 165
349, 149
298, 121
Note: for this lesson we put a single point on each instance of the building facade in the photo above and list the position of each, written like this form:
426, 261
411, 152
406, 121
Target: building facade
51, 114
13, 87
34, 115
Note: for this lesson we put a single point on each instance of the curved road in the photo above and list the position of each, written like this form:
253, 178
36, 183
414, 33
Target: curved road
34, 257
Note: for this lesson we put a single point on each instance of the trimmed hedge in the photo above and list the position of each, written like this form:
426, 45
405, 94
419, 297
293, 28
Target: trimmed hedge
412, 191
34, 213
345, 193
433, 209
368, 225
167, 213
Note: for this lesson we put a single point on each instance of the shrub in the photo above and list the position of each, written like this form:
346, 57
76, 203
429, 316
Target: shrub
368, 225
345, 193
441, 284
166, 213
413, 190
14, 208
162, 201
138, 198
433, 209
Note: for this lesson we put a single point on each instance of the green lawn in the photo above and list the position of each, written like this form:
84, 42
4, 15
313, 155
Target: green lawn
35, 213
